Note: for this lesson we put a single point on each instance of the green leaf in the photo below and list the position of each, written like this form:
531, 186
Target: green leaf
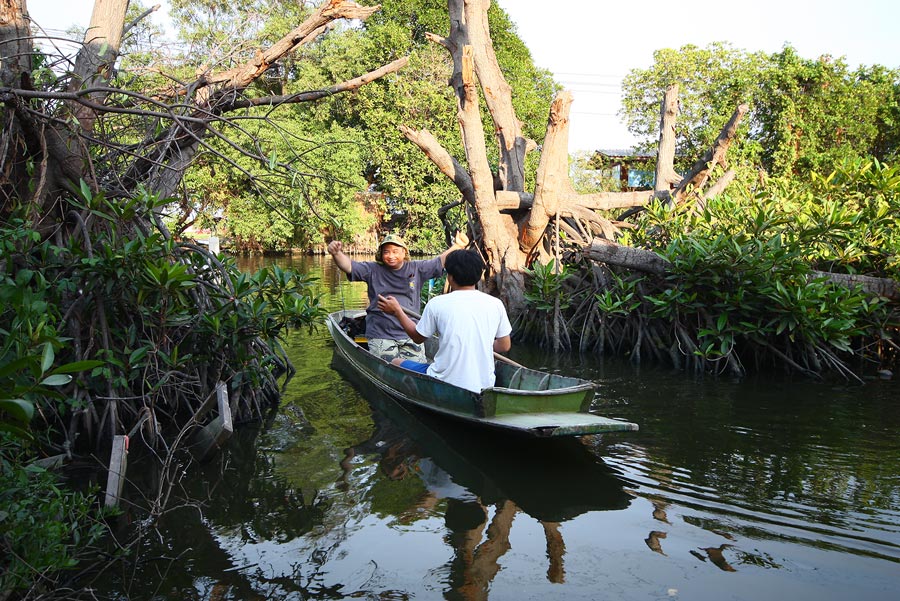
77, 366
47, 358
15, 431
20, 409
137, 355
723, 319
23, 276
85, 191
14, 366
56, 380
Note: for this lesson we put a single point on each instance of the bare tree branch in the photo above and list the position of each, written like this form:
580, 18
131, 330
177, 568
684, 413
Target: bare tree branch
140, 18
438, 155
346, 86
714, 156
332, 10
497, 97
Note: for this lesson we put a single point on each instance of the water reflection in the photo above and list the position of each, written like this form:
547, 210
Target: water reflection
806, 463
484, 479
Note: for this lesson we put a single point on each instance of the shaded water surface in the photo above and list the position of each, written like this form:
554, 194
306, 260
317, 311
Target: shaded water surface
753, 489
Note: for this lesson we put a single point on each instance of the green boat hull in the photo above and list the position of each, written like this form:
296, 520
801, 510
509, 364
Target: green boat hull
523, 400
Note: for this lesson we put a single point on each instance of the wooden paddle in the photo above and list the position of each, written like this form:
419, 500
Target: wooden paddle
497, 355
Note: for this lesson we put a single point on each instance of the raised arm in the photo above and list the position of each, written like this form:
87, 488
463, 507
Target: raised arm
391, 306
460, 241
336, 250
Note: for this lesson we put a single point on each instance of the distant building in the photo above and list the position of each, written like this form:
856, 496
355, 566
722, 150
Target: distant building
634, 170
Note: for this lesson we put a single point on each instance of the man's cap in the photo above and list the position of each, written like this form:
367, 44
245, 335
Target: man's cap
393, 239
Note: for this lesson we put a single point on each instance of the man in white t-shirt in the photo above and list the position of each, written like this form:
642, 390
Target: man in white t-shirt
471, 326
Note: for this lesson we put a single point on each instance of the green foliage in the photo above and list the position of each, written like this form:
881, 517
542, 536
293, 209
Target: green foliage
338, 167
712, 82
44, 528
743, 282
29, 338
621, 298
420, 98
744, 287
805, 115
312, 178
156, 306
344, 165
159, 323
545, 286
813, 114
546, 299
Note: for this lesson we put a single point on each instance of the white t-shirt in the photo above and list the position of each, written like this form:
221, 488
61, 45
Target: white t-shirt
467, 322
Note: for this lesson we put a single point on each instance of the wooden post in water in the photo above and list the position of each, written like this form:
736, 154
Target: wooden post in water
213, 435
118, 462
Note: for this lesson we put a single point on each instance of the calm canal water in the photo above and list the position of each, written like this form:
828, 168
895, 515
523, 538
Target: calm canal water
754, 489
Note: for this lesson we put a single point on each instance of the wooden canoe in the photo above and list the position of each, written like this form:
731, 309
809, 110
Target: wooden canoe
523, 400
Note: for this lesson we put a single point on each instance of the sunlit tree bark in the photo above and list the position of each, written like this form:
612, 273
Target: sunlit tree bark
514, 225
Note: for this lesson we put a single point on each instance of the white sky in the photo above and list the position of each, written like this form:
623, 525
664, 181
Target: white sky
590, 45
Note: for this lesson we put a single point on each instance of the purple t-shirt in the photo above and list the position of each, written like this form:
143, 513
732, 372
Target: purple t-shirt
405, 284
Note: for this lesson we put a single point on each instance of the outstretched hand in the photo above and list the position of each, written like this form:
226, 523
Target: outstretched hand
389, 305
460, 240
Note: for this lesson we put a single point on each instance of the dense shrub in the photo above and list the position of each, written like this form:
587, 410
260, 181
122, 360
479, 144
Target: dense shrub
748, 282
107, 327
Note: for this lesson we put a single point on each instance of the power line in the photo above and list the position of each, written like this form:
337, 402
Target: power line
593, 92
565, 73
590, 83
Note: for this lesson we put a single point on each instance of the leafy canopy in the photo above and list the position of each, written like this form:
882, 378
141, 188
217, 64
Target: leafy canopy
806, 115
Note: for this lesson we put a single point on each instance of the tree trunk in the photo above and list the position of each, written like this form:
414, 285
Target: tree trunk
95, 61
499, 231
507, 241
15, 38
604, 251
498, 97
552, 175
15, 72
647, 261
666, 176
512, 222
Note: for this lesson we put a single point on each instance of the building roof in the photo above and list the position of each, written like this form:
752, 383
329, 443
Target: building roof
625, 153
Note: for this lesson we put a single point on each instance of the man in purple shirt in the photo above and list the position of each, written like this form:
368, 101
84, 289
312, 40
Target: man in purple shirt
392, 273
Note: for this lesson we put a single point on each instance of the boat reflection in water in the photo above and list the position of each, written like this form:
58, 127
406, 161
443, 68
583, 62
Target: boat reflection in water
483, 479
